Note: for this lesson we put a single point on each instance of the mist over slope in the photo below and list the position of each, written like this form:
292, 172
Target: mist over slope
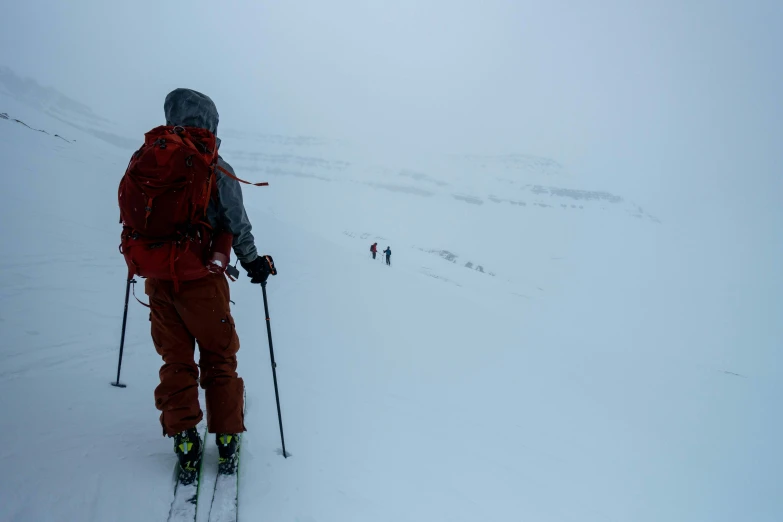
53, 103
539, 349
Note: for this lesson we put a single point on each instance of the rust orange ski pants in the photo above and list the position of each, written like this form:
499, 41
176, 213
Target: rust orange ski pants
197, 312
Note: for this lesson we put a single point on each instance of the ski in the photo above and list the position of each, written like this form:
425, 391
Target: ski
184, 507
225, 498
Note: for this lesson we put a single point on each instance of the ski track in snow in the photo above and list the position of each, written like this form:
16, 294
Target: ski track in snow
631, 388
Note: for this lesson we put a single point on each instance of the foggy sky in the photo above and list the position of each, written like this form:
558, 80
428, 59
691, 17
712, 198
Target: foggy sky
661, 98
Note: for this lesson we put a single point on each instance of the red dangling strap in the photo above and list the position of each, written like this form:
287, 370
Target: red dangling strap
230, 175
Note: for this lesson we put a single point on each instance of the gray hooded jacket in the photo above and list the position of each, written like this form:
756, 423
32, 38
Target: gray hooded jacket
189, 108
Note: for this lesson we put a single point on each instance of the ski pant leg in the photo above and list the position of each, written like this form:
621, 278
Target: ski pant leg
177, 394
204, 307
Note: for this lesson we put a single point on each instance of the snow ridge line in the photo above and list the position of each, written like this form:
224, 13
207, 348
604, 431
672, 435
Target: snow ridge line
4, 116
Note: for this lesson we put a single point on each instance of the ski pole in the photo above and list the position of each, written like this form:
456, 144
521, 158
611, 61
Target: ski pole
274, 368
117, 383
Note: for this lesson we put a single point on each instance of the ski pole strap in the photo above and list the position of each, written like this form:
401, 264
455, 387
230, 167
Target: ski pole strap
137, 299
140, 301
230, 175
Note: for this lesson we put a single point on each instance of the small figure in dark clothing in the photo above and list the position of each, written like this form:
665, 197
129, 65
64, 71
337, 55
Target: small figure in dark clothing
374, 249
388, 255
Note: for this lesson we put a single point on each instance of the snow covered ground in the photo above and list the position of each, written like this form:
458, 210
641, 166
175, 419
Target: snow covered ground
604, 364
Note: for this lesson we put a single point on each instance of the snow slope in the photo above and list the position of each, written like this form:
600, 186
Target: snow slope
65, 110
610, 370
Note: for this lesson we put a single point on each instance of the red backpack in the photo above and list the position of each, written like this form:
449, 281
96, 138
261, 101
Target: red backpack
163, 199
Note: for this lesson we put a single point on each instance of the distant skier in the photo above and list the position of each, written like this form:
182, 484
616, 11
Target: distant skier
190, 301
388, 255
374, 249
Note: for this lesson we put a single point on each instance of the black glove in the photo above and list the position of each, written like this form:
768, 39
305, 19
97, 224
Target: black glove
260, 269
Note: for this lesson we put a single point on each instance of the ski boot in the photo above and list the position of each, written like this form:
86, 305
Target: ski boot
187, 445
227, 448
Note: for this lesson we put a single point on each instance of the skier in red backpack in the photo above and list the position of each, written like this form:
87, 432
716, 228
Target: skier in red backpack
374, 250
183, 250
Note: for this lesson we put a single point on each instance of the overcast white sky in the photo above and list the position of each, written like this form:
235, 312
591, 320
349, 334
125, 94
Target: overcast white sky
652, 97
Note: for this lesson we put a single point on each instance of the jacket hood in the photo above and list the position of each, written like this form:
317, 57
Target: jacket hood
190, 108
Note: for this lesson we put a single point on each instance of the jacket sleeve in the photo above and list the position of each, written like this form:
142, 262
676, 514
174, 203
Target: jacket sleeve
232, 215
